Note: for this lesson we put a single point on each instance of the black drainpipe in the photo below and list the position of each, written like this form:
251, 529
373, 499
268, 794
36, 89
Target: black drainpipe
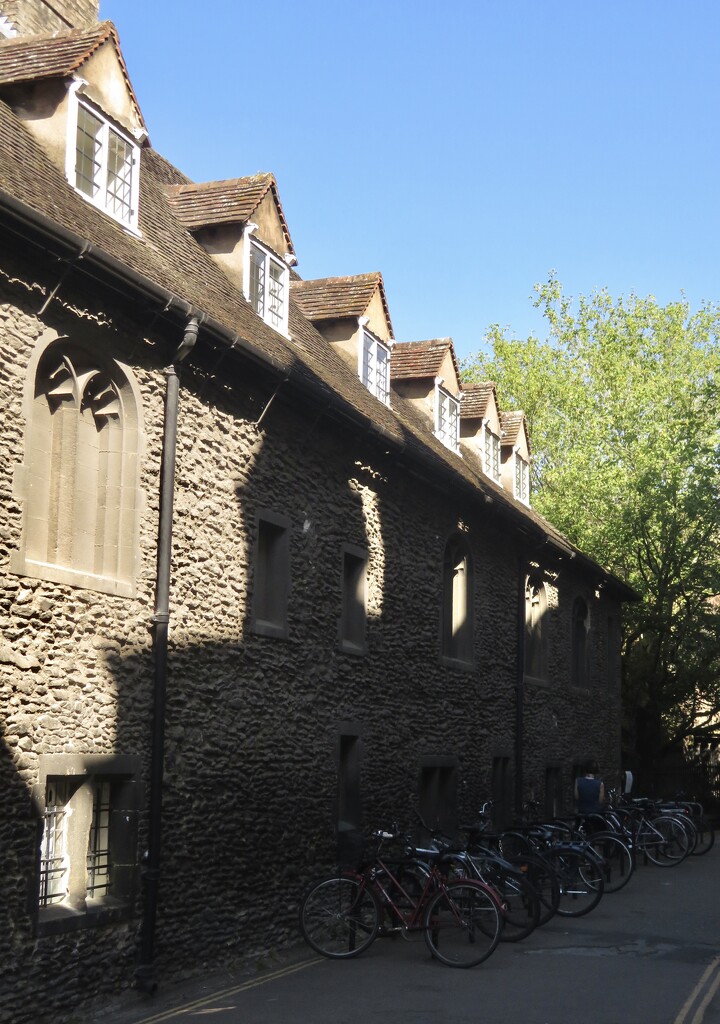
144, 972
520, 688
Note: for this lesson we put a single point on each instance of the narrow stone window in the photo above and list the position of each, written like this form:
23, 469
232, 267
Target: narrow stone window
613, 664
353, 616
502, 791
458, 602
535, 628
271, 582
553, 791
579, 667
438, 792
348, 818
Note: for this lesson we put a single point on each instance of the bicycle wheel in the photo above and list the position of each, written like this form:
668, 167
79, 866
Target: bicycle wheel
705, 838
581, 881
665, 841
544, 881
463, 923
339, 917
617, 860
520, 902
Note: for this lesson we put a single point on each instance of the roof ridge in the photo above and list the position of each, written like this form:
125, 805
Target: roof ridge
345, 278
223, 183
102, 27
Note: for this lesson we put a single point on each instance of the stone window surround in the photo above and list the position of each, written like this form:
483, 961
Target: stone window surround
581, 620
78, 912
24, 564
271, 575
354, 600
438, 790
457, 646
534, 585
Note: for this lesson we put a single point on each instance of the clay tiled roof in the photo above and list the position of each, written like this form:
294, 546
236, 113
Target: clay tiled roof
512, 423
37, 202
476, 399
35, 57
224, 202
412, 360
331, 298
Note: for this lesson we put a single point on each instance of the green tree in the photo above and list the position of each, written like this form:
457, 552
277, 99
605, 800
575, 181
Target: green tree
622, 407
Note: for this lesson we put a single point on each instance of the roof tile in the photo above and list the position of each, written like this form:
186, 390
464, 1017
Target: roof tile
415, 359
330, 298
476, 399
234, 201
30, 58
172, 259
512, 423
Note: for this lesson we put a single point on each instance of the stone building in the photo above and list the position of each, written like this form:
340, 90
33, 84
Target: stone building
266, 573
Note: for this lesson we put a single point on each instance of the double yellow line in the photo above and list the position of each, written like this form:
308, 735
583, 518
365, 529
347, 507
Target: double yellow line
701, 995
180, 1011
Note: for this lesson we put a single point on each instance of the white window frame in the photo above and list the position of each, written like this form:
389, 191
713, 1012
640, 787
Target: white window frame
279, 322
492, 465
102, 200
449, 437
521, 473
373, 345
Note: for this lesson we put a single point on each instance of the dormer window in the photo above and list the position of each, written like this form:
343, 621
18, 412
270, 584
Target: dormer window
491, 454
522, 480
266, 285
375, 366
447, 418
102, 162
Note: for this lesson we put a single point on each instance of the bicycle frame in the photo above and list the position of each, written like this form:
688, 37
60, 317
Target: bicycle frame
434, 881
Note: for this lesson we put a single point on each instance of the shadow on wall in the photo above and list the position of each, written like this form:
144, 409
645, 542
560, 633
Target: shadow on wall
275, 674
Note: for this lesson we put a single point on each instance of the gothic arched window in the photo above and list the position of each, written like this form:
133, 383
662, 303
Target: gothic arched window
80, 478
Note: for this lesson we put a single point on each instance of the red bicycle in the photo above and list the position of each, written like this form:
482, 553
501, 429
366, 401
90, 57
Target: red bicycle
461, 920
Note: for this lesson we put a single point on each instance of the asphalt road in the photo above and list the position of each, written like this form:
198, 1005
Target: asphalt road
649, 954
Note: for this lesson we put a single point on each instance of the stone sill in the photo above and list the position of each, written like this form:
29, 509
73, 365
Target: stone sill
59, 919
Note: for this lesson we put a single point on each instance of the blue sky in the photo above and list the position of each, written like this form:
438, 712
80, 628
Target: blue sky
464, 149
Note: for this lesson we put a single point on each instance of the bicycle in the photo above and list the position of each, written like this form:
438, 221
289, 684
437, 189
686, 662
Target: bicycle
461, 920
520, 901
577, 867
482, 841
594, 831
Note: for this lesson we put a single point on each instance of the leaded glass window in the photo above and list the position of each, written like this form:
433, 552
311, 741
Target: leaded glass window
447, 419
267, 287
105, 166
375, 367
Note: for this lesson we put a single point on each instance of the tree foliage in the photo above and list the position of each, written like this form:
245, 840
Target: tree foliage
622, 406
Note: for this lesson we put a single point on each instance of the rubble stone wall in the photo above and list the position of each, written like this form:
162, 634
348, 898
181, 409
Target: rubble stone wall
254, 723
